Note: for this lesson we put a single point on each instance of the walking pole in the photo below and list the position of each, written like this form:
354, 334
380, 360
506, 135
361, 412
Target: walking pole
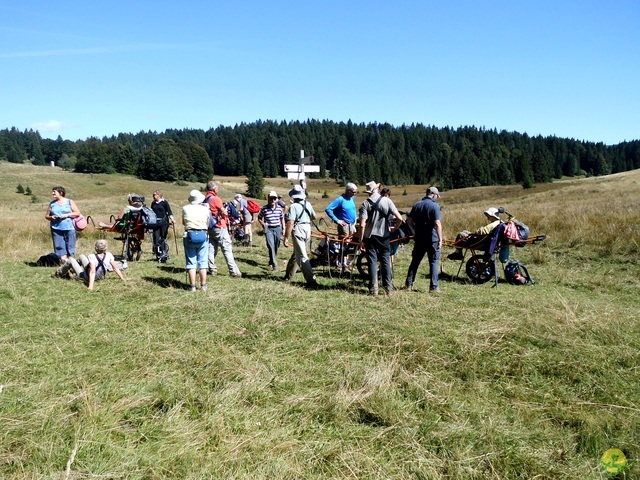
175, 239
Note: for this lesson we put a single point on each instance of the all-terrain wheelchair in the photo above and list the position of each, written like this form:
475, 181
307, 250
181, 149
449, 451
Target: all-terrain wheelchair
487, 250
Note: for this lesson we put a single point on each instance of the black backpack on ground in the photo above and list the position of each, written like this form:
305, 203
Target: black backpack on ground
48, 260
516, 273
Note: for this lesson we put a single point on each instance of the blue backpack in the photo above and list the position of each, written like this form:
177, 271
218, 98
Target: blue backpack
149, 217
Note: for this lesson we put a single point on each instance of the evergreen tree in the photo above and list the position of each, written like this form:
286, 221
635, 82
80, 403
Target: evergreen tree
66, 163
255, 180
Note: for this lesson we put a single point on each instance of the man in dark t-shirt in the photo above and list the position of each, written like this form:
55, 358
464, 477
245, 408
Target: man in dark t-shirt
425, 219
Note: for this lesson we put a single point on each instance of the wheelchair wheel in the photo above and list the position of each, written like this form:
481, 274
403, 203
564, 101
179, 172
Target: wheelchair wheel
362, 264
323, 226
479, 270
134, 252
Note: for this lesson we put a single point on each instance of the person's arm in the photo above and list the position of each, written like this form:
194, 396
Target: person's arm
398, 221
261, 217
363, 224
438, 225
92, 275
114, 266
287, 233
169, 213
48, 215
330, 210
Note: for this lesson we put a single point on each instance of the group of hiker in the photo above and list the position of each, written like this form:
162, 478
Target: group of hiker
205, 218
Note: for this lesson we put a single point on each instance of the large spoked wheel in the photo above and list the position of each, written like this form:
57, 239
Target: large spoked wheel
134, 252
479, 270
323, 225
362, 264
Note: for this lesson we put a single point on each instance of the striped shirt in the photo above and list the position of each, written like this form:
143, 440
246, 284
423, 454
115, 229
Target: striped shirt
272, 217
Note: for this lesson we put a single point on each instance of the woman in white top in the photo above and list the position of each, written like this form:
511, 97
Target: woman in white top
195, 218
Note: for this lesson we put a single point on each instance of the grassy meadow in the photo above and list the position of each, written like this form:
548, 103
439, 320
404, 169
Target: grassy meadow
259, 378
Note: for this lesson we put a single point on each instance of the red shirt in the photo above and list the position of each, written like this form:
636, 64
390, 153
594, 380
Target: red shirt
217, 209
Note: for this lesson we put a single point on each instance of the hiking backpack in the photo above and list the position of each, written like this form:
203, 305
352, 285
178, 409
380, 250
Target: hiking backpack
516, 273
149, 217
232, 210
523, 230
252, 206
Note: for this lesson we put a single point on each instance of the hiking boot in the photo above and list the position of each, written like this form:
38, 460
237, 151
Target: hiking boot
236, 275
312, 285
373, 293
435, 290
457, 255
213, 273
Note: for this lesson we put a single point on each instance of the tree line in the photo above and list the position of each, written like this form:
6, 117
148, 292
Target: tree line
414, 154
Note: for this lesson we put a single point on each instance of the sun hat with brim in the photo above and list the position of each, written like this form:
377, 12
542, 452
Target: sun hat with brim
297, 193
196, 196
273, 194
371, 186
492, 212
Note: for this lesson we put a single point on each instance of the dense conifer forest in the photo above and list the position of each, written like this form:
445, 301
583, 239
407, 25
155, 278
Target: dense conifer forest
414, 154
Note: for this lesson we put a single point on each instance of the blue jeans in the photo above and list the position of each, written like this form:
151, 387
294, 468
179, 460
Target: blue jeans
64, 242
379, 248
272, 236
420, 248
195, 254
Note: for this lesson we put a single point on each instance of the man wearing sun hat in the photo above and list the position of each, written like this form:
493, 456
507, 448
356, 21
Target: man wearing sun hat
375, 236
271, 217
424, 217
298, 226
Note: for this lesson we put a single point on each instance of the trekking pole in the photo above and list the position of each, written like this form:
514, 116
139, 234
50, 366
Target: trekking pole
175, 239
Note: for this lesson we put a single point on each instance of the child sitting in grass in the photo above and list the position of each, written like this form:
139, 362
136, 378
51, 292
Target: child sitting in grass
91, 268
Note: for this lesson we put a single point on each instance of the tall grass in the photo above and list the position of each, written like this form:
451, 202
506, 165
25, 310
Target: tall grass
259, 378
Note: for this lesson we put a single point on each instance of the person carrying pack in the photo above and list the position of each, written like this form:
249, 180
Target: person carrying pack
298, 227
375, 236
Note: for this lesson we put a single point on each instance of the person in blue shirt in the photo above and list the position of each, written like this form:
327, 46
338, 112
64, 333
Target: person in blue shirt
343, 211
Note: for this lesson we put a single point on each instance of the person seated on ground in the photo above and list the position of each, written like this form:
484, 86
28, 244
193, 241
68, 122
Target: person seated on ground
91, 268
135, 205
492, 215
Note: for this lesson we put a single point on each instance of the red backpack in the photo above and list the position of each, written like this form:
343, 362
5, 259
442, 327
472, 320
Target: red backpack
253, 206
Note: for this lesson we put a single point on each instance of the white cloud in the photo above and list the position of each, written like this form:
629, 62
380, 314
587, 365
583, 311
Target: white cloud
50, 126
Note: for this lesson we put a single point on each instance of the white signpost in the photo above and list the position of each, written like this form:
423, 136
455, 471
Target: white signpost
297, 172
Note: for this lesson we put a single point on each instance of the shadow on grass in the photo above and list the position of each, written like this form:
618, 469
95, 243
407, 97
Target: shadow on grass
447, 277
166, 282
170, 269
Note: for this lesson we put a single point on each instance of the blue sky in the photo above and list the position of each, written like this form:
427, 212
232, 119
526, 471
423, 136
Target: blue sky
80, 69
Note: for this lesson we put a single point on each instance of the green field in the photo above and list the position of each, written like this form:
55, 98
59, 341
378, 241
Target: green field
259, 378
